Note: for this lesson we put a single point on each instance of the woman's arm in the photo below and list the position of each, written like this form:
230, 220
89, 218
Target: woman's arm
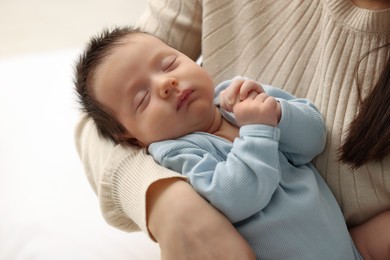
187, 227
372, 238
130, 196
109, 167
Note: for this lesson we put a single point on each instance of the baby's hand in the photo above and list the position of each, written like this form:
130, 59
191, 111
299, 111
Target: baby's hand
257, 109
238, 91
250, 104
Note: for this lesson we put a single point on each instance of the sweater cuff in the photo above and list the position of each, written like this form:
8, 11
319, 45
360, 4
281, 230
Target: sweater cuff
128, 174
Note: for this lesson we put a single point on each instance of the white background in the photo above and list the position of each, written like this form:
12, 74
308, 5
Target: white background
47, 209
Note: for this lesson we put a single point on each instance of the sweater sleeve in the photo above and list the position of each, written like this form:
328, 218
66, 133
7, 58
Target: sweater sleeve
239, 186
119, 175
176, 22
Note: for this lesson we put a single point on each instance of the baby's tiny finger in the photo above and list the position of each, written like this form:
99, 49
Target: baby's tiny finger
249, 86
252, 95
223, 101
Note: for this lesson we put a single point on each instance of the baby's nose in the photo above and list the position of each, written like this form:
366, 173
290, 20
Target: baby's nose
167, 85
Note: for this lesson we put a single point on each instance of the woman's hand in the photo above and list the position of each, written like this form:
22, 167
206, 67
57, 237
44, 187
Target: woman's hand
187, 227
372, 238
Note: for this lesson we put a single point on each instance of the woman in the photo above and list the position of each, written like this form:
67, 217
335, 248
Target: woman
311, 49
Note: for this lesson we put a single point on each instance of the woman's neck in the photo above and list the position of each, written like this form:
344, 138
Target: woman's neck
372, 4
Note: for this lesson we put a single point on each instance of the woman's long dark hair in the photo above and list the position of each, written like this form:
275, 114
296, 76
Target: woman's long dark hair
368, 137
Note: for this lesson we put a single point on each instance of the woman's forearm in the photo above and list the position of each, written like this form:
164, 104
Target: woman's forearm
187, 227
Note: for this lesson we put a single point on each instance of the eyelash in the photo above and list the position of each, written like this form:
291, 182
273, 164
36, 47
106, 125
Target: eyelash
170, 62
143, 98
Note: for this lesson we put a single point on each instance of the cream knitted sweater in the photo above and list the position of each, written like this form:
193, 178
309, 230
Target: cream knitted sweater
307, 47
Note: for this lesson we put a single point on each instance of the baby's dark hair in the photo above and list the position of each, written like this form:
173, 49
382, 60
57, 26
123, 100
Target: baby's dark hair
98, 48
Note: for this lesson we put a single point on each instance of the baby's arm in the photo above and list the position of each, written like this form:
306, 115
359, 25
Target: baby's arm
303, 131
302, 128
239, 185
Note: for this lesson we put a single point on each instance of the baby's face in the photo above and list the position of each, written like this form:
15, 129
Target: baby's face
156, 92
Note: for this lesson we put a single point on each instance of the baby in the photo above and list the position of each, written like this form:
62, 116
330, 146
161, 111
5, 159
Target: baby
245, 147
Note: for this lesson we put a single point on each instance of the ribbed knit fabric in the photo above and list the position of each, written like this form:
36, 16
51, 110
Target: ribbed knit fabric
307, 47
119, 175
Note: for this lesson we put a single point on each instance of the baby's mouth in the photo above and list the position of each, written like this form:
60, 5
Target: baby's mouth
183, 97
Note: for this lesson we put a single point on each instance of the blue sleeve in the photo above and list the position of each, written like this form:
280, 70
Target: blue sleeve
303, 130
238, 187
